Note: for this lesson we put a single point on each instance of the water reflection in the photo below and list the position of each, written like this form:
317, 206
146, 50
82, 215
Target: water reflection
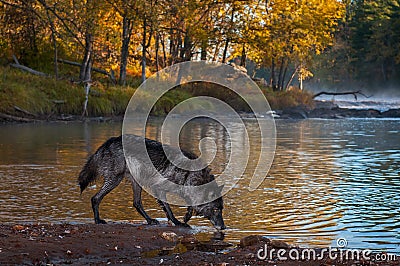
329, 179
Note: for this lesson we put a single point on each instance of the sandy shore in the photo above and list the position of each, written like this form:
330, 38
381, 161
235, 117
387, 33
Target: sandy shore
134, 244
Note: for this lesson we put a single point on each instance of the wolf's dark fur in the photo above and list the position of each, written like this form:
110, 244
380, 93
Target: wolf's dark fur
109, 162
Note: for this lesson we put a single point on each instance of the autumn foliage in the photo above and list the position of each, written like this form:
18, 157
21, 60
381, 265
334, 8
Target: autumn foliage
136, 38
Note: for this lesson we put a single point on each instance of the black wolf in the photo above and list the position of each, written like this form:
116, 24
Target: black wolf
109, 162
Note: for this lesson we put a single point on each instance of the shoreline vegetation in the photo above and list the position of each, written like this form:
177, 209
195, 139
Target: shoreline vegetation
28, 98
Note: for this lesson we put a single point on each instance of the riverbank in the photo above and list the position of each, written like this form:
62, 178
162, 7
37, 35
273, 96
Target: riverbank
326, 111
25, 97
137, 244
28, 98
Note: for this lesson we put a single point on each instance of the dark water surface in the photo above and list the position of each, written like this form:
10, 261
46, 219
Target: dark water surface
330, 179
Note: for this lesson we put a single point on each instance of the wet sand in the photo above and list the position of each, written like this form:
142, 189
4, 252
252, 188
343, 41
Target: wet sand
136, 244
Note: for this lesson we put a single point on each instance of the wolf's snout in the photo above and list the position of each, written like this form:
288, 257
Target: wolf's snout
219, 224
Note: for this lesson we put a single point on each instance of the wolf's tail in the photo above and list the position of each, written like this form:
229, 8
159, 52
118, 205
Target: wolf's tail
88, 174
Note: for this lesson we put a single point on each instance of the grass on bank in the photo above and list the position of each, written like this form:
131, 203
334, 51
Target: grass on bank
47, 96
279, 100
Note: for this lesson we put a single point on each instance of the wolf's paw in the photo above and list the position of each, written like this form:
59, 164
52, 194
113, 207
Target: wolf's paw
100, 221
153, 222
180, 224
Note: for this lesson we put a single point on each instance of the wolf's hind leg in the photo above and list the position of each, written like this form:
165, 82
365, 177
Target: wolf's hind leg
108, 186
170, 215
137, 202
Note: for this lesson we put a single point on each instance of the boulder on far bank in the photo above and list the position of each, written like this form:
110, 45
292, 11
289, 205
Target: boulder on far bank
297, 112
344, 113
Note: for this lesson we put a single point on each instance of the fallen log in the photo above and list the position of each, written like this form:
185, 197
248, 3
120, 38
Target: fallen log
69, 62
354, 93
16, 118
15, 59
98, 70
30, 70
19, 109
58, 101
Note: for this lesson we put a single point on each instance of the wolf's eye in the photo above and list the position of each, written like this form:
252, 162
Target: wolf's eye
215, 210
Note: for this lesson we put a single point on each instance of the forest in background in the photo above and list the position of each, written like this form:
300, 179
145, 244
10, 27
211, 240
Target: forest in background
327, 43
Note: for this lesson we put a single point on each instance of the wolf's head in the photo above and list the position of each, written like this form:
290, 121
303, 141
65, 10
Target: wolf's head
213, 210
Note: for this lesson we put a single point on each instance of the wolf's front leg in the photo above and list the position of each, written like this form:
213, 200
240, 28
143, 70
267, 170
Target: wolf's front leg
170, 214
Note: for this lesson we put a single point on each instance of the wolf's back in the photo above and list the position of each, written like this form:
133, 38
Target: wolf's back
109, 161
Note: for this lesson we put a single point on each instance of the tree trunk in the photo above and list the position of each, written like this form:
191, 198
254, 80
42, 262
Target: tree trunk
216, 52
177, 48
164, 52
55, 54
86, 66
284, 74
32, 35
144, 50
157, 48
186, 52
280, 76
54, 40
291, 78
228, 39
301, 76
204, 50
85, 103
225, 51
171, 47
126, 39
243, 58
272, 81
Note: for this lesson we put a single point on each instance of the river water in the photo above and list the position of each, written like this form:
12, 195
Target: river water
330, 179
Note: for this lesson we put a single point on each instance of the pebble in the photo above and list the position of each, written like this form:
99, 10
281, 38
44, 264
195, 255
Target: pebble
170, 236
279, 244
250, 241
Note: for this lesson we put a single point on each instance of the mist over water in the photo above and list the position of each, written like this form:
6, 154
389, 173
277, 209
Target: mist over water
380, 104
381, 99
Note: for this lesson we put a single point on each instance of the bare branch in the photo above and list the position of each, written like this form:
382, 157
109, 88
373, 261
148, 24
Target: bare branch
354, 93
